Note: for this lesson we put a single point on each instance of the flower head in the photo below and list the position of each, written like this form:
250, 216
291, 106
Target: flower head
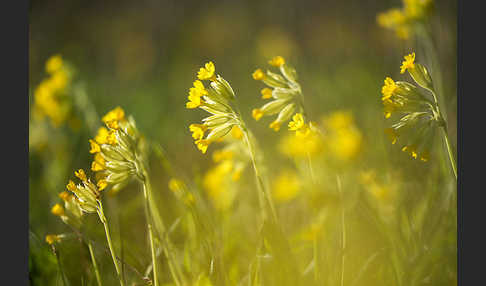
57, 210
388, 89
297, 122
257, 114
408, 63
207, 72
54, 64
277, 61
266, 93
258, 74
52, 238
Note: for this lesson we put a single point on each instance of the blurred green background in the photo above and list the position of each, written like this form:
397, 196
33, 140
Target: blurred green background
144, 55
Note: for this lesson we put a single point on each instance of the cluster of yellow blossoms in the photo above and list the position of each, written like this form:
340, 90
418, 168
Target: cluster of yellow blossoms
419, 114
118, 151
73, 214
286, 94
216, 100
402, 20
51, 95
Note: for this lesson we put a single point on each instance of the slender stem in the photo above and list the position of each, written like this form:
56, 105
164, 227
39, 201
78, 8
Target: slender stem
343, 227
110, 245
95, 266
61, 269
449, 151
150, 231
261, 185
154, 215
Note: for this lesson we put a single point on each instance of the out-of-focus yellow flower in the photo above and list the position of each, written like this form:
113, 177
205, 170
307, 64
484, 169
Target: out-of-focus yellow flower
277, 61
408, 63
258, 74
343, 139
54, 63
52, 238
57, 210
236, 132
383, 193
286, 186
207, 72
218, 186
301, 146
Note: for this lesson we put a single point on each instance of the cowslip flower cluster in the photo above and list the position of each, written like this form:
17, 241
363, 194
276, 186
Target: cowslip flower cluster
118, 151
86, 194
286, 95
402, 20
419, 115
51, 95
215, 99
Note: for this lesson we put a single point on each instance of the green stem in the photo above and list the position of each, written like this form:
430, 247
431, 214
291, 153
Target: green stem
61, 269
110, 245
150, 231
343, 233
95, 266
154, 215
449, 151
261, 186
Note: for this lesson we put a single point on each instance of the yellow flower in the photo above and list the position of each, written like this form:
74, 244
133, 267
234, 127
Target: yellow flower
266, 93
220, 155
102, 184
102, 136
71, 186
275, 125
52, 238
95, 148
117, 114
301, 146
345, 143
64, 195
411, 149
58, 80
194, 98
207, 72
286, 186
111, 138
388, 89
297, 122
391, 18
338, 120
277, 61
98, 163
236, 132
202, 144
57, 210
197, 130
408, 63
54, 64
81, 175
258, 74
257, 113
403, 32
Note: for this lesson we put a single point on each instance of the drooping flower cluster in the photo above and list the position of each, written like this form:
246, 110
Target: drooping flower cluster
286, 94
419, 115
87, 194
118, 151
402, 20
51, 95
214, 99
